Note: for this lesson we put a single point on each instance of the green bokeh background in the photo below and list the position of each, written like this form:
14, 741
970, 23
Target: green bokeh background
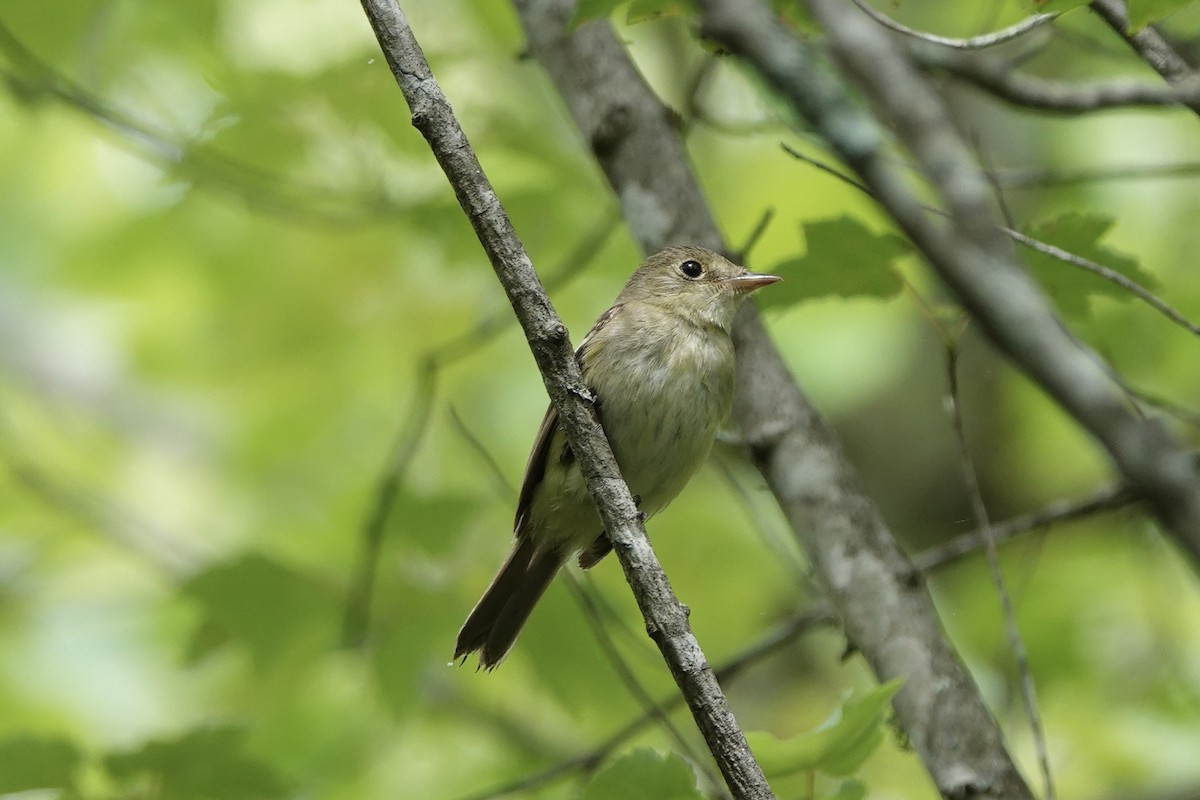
226, 257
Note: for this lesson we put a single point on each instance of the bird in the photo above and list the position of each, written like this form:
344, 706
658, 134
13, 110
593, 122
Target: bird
660, 363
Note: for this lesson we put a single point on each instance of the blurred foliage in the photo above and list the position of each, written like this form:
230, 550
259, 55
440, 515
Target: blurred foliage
233, 291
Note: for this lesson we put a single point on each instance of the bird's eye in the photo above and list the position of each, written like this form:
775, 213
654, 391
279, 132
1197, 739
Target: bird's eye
691, 269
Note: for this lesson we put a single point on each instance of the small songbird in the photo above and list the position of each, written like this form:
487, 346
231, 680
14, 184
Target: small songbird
660, 363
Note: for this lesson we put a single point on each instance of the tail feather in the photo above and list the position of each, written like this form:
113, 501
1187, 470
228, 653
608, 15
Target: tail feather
498, 617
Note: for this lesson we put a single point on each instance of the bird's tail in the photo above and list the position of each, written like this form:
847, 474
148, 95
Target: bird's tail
498, 617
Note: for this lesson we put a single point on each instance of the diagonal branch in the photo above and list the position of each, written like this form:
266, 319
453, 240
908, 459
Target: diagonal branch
665, 618
1147, 42
883, 604
1000, 78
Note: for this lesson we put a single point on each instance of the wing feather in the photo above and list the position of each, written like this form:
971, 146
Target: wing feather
535, 468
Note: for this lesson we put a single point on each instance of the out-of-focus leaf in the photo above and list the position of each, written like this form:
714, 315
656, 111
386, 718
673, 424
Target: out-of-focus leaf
264, 605
644, 775
1146, 12
200, 765
843, 258
27, 763
837, 747
1069, 285
415, 640
433, 523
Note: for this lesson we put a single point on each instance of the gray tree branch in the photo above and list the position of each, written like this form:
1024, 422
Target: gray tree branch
880, 597
969, 253
666, 619
1147, 42
1000, 78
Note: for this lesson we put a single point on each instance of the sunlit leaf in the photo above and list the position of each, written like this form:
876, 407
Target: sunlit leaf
644, 775
843, 259
838, 747
1069, 285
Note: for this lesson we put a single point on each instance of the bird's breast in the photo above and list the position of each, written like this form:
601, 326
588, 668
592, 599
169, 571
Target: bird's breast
662, 410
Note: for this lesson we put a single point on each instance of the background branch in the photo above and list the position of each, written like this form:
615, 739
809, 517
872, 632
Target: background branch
999, 77
886, 611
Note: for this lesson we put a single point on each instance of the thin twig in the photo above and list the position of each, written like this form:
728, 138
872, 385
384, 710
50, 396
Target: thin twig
1110, 275
360, 595
743, 253
1057, 253
1110, 498
973, 43
997, 77
1016, 178
979, 509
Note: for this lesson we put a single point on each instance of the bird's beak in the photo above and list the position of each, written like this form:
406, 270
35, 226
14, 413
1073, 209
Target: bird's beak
748, 282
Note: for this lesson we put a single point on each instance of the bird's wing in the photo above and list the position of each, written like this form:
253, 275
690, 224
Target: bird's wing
535, 468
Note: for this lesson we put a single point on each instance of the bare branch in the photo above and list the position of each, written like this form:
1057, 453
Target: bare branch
1107, 499
979, 510
876, 590
665, 617
971, 254
973, 43
1148, 42
1001, 79
1037, 178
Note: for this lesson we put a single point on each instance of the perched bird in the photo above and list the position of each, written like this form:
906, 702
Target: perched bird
660, 363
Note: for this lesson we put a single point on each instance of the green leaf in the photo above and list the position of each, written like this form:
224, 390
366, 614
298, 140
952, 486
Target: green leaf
837, 747
265, 606
644, 775
588, 10
1071, 286
843, 258
1146, 12
200, 765
1051, 6
27, 763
